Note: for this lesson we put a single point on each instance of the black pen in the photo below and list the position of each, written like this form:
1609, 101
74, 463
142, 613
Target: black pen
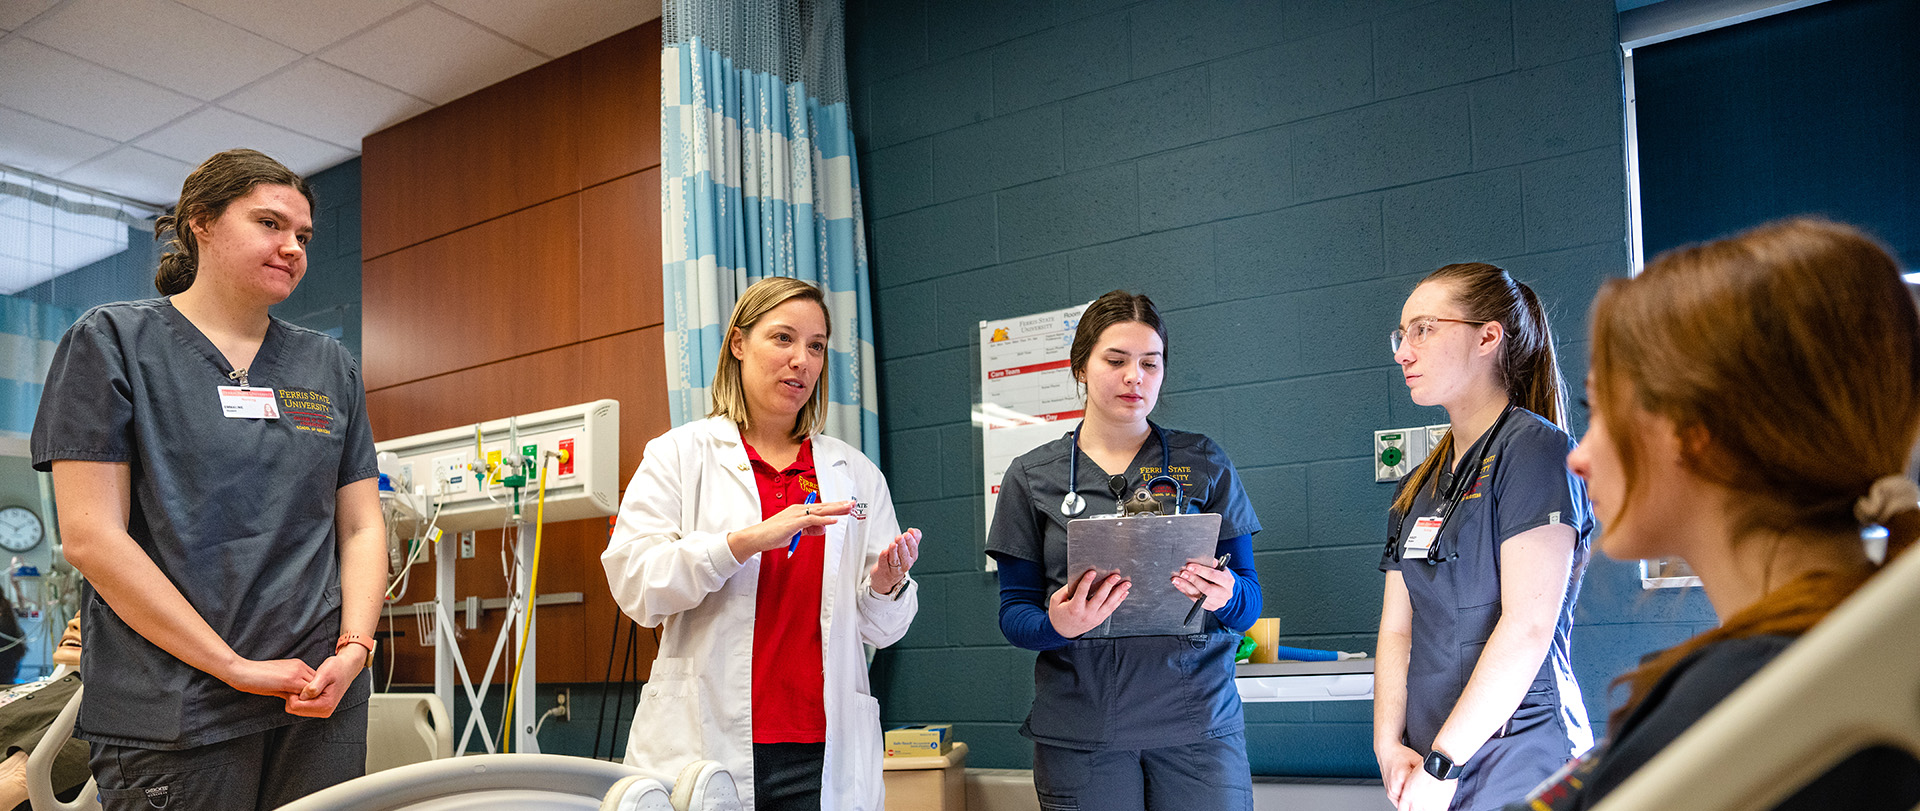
1195, 610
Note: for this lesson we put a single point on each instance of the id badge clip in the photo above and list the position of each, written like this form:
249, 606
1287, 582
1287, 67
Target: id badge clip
242, 403
1419, 544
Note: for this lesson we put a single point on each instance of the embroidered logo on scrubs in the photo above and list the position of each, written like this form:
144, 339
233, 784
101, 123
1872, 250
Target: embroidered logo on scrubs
1179, 473
1486, 469
308, 409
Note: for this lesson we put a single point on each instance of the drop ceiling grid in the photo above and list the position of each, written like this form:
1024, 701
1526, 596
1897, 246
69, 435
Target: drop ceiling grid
125, 95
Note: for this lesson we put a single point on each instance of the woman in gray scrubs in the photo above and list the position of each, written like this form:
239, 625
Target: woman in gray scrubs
215, 479
1148, 722
1474, 696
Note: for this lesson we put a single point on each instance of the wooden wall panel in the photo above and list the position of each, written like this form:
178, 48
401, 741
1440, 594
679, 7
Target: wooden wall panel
501, 149
630, 367
620, 255
620, 111
502, 288
513, 264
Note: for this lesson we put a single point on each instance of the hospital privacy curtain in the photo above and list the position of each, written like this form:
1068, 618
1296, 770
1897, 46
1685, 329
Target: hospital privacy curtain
758, 179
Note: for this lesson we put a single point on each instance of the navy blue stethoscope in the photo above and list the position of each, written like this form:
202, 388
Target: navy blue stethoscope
1075, 504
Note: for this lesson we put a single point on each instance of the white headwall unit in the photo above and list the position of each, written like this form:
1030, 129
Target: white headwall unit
436, 467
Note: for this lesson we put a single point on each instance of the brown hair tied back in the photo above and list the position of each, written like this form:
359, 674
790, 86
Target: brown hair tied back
220, 180
1527, 366
1116, 307
1794, 350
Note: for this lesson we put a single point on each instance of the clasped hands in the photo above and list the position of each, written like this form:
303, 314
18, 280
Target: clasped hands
307, 691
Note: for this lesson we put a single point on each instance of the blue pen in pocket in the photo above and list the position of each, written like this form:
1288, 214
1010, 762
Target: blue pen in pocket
813, 497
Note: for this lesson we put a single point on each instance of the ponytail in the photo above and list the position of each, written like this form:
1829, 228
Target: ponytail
178, 265
1533, 374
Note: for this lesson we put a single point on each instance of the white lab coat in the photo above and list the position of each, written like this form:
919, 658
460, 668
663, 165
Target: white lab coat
669, 566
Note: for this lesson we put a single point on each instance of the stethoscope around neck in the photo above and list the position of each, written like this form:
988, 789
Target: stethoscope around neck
1073, 505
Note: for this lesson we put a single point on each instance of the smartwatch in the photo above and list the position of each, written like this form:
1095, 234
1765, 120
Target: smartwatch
1441, 766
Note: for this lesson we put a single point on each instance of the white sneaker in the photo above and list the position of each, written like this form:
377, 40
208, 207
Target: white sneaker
637, 793
704, 785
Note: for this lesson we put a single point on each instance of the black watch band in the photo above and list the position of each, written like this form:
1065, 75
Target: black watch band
1441, 766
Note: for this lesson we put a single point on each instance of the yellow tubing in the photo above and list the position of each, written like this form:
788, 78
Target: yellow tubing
526, 627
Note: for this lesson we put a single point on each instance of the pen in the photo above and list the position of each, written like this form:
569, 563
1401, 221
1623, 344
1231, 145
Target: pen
813, 497
1195, 610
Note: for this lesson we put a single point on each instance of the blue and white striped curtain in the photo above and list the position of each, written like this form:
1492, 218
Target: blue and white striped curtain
758, 179
29, 333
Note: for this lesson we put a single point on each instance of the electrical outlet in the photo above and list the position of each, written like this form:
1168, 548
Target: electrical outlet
565, 697
466, 544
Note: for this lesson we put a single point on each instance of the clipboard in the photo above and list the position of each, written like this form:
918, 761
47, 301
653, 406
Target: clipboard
1146, 549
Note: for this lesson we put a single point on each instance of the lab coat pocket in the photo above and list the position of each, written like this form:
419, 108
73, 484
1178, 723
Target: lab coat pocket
670, 705
855, 763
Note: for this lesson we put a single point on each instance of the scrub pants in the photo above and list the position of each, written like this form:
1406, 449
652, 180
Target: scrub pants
786, 776
261, 771
1211, 775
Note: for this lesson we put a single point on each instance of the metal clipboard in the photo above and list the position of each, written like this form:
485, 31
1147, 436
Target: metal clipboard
1146, 549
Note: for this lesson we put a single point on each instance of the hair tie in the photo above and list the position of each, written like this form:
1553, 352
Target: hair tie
1889, 496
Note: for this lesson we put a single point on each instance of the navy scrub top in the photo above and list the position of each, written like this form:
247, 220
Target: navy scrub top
238, 513
1521, 482
1128, 692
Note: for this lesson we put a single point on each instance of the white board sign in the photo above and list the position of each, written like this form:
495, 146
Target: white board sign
1027, 394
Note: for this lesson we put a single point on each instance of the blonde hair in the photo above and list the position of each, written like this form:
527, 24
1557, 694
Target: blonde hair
1793, 350
728, 390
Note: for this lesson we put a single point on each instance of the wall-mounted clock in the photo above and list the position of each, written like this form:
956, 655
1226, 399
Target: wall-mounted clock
20, 529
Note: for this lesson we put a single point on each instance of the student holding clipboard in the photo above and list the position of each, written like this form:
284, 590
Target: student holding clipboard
1130, 722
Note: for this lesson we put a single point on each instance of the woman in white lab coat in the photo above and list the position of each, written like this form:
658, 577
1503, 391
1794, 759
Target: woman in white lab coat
766, 554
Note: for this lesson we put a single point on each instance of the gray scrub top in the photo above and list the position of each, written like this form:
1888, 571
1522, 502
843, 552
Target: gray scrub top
1521, 483
1128, 692
237, 513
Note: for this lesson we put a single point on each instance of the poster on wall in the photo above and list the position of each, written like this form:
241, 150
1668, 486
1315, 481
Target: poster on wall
1026, 390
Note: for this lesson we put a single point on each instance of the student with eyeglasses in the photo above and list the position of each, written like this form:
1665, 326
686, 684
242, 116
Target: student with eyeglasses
1475, 701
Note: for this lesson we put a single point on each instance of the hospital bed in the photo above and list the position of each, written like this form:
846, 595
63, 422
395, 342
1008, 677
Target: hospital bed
1851, 683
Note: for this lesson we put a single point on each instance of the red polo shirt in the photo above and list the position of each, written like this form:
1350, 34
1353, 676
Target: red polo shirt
789, 682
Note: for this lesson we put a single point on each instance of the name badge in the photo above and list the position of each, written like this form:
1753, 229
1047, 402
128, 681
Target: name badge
248, 404
1419, 544
859, 512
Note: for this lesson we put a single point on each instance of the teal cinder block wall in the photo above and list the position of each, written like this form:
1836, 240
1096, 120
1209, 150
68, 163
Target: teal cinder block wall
1277, 174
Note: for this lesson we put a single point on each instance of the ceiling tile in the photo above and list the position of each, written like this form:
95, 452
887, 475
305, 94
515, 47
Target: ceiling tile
134, 173
163, 42
38, 145
557, 27
317, 99
58, 87
299, 24
432, 54
195, 138
16, 13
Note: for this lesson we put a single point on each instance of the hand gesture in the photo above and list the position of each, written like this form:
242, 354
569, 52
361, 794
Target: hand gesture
280, 678
1397, 763
1199, 579
321, 695
894, 562
1422, 792
1080, 606
777, 532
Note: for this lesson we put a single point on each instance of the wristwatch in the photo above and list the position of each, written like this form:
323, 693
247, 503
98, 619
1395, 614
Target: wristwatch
1441, 766
354, 639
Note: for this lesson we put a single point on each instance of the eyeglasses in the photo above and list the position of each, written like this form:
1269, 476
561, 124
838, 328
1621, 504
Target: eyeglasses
1417, 333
